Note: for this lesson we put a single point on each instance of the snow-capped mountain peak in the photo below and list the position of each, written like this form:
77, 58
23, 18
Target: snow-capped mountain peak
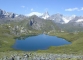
79, 20
66, 19
57, 18
10, 15
45, 15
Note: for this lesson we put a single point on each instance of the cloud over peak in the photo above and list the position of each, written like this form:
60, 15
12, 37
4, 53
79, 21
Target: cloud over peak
34, 13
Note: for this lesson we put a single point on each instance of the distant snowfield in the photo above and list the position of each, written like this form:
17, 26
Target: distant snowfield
45, 17
79, 20
65, 20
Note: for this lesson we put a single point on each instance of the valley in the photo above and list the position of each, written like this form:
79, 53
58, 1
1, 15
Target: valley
14, 26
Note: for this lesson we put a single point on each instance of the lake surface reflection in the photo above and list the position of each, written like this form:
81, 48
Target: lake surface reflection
39, 42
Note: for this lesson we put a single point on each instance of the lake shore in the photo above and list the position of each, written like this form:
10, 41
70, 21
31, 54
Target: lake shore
75, 48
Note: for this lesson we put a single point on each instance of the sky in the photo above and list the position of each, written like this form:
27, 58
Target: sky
29, 7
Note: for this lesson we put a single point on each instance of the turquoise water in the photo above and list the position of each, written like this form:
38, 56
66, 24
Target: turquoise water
39, 42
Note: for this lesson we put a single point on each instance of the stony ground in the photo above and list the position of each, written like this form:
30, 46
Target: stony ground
41, 56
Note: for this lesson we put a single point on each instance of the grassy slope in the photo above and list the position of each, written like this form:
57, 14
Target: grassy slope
6, 39
70, 27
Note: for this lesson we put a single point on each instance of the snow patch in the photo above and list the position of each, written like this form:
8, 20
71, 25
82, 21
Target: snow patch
65, 20
45, 17
79, 20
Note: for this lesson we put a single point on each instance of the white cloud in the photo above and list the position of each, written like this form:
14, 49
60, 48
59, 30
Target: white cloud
82, 8
32, 9
23, 6
34, 13
72, 9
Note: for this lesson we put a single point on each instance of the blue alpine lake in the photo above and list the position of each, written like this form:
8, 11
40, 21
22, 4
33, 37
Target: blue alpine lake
39, 42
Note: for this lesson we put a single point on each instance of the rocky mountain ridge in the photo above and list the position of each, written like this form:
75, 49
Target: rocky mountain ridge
45, 15
60, 18
4, 15
57, 18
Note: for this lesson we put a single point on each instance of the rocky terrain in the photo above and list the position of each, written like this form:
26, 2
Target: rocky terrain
4, 14
41, 56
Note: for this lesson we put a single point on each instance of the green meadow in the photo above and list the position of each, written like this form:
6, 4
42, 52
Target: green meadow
7, 39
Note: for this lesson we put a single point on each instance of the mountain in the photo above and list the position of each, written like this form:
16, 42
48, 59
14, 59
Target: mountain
75, 24
45, 15
4, 14
66, 19
23, 23
46, 22
37, 23
10, 16
59, 18
78, 20
32, 24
